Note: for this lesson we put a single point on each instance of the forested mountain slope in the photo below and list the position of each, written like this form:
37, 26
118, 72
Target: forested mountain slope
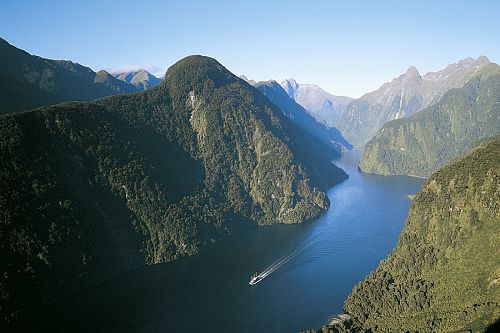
329, 136
28, 81
425, 141
91, 188
402, 97
444, 274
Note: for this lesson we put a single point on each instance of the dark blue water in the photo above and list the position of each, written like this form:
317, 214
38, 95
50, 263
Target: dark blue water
320, 263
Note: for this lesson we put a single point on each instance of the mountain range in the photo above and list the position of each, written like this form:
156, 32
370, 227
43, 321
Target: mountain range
427, 140
402, 97
360, 119
327, 135
305, 119
324, 107
141, 79
130, 170
48, 81
88, 189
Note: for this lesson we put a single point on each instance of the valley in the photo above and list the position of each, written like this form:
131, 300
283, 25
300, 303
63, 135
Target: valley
210, 289
232, 166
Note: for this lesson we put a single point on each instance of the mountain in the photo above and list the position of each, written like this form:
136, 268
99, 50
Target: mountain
88, 189
141, 79
327, 135
443, 275
324, 107
28, 81
401, 97
425, 141
120, 87
252, 82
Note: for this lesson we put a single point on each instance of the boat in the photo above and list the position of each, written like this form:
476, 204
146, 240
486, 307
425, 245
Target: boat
254, 279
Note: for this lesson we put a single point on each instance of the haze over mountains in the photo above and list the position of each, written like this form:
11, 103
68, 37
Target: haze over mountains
328, 135
403, 96
427, 140
360, 119
323, 106
305, 119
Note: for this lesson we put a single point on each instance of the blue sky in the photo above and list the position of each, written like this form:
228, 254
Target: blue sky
348, 48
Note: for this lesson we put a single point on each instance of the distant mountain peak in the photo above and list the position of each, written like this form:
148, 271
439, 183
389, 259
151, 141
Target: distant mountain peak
249, 81
102, 75
466, 64
301, 117
469, 60
102, 72
274, 83
140, 78
290, 86
323, 106
483, 59
271, 83
404, 95
412, 71
32, 81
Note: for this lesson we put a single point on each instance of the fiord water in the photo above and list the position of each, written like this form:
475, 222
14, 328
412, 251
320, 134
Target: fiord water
309, 270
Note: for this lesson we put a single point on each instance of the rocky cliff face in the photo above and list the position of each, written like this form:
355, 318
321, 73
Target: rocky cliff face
321, 134
402, 97
425, 141
324, 107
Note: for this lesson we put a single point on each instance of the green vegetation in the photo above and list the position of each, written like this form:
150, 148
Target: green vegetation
322, 137
403, 96
28, 81
422, 143
88, 189
444, 275
117, 86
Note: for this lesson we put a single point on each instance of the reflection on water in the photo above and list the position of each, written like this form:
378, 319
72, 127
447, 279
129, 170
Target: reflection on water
319, 263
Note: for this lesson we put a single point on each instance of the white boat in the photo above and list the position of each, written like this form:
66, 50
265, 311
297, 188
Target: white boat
255, 279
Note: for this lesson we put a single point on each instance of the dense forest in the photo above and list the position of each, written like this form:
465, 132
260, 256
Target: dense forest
443, 275
28, 81
91, 188
424, 142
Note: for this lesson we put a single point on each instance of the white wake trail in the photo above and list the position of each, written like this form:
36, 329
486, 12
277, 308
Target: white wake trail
279, 263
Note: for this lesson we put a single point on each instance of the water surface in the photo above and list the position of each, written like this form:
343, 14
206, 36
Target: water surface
209, 292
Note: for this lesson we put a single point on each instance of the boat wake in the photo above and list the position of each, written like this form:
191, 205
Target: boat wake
277, 264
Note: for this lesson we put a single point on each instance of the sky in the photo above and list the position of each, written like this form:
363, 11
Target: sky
348, 48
